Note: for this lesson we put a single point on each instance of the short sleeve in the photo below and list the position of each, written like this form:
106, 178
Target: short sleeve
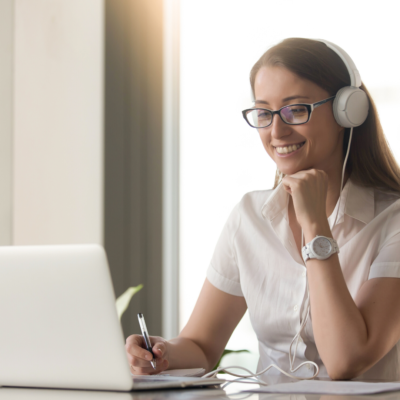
387, 263
223, 271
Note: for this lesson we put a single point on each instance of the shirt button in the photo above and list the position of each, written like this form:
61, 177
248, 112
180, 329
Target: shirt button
296, 307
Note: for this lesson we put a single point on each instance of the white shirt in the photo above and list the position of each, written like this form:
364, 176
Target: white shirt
256, 257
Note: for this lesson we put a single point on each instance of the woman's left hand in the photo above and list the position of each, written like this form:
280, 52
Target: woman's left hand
309, 190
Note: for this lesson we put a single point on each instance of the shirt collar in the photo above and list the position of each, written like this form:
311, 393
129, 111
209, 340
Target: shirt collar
276, 203
360, 202
356, 201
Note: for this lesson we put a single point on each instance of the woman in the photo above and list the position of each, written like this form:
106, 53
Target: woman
354, 329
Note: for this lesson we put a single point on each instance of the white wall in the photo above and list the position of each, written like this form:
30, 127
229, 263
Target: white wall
58, 122
6, 74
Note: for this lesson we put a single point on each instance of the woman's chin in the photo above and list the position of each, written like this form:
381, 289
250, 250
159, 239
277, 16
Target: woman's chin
289, 171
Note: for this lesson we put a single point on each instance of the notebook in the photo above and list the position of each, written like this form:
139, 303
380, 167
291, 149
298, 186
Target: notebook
185, 372
330, 387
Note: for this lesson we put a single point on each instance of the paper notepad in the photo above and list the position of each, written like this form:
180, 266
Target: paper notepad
329, 387
184, 372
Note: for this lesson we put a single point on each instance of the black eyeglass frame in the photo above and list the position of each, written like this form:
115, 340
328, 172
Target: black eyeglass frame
310, 108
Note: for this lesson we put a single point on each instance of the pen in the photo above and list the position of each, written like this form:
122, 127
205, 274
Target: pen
146, 338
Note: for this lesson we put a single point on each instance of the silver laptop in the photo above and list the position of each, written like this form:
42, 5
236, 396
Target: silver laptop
59, 326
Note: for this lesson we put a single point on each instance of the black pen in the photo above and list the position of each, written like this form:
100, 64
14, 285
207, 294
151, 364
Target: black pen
146, 338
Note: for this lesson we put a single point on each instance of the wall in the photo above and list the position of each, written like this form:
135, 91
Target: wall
81, 134
133, 155
6, 97
58, 122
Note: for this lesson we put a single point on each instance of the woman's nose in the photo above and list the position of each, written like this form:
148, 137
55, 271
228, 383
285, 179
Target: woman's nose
278, 128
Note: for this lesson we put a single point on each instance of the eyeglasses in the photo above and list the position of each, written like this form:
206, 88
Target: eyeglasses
294, 114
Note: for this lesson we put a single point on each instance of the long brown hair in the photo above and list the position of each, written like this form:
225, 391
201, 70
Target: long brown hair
371, 162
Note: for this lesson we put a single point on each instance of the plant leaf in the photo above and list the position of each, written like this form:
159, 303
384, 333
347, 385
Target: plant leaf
123, 301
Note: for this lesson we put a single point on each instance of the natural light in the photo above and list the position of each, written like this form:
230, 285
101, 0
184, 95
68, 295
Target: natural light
221, 158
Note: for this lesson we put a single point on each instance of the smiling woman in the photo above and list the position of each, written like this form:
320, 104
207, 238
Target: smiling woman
312, 70
318, 143
259, 263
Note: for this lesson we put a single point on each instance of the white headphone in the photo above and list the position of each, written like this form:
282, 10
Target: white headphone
351, 104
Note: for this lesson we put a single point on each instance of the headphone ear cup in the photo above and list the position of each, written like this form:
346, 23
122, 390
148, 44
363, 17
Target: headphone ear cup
350, 107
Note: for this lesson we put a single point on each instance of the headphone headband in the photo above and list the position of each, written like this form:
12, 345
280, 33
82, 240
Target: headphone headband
355, 78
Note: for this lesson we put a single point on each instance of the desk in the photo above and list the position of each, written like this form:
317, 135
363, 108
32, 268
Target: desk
189, 394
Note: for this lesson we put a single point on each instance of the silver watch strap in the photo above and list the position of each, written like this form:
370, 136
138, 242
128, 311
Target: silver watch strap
304, 253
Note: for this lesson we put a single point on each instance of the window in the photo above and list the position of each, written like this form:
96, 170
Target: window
221, 157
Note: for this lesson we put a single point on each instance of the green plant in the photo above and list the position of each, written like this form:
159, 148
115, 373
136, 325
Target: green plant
123, 301
225, 352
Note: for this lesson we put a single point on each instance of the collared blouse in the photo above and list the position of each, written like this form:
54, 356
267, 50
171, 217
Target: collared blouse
256, 257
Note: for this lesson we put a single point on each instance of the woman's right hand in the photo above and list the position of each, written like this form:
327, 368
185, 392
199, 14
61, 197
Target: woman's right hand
139, 358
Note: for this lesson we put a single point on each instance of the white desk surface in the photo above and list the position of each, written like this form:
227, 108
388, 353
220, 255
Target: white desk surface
189, 394
53, 394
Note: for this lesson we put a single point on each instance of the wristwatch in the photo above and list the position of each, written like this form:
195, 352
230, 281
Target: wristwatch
321, 248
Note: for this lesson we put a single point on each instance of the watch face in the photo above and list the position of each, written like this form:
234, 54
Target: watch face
322, 246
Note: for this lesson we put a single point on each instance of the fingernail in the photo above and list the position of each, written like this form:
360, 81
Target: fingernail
149, 356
